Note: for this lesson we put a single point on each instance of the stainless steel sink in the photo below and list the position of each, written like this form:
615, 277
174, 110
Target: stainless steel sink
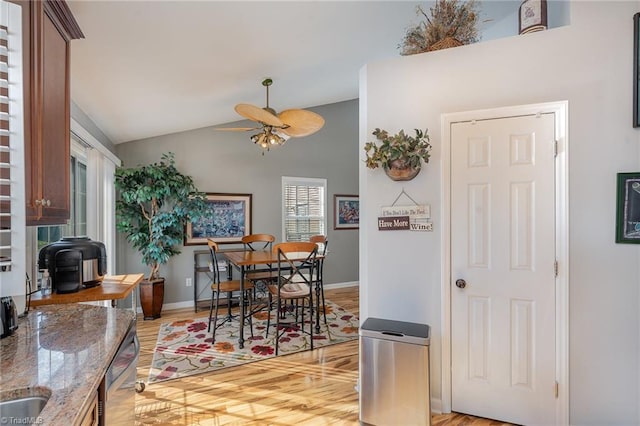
21, 408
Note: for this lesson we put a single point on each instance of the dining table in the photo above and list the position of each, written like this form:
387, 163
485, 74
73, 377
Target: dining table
244, 260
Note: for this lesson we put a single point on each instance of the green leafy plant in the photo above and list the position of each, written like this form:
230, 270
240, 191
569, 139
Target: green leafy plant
450, 19
156, 200
402, 149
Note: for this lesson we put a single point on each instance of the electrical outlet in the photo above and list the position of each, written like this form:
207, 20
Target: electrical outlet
188, 282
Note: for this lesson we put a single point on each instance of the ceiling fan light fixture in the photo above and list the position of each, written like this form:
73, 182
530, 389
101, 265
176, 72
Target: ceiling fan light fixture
267, 138
273, 138
278, 128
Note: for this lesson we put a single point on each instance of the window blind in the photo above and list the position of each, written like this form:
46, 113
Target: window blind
304, 208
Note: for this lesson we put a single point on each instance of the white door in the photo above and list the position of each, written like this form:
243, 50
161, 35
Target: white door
503, 248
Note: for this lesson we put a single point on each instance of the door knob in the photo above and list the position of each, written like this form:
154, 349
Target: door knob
461, 283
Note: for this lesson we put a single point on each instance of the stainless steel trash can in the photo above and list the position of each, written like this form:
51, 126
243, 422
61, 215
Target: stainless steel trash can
394, 373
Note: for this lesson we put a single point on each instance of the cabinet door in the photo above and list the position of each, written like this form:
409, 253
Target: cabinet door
50, 27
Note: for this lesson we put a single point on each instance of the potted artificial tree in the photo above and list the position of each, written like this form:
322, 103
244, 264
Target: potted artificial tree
400, 155
156, 200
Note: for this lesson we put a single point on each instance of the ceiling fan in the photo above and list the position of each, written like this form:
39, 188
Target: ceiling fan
277, 128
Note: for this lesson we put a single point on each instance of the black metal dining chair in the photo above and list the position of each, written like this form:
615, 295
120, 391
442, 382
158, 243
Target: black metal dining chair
322, 242
296, 263
229, 287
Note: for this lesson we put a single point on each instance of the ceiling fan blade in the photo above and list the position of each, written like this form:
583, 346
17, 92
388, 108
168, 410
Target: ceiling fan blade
237, 129
301, 122
258, 114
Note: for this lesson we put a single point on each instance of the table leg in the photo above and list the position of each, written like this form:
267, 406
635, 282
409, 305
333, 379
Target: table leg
317, 302
241, 334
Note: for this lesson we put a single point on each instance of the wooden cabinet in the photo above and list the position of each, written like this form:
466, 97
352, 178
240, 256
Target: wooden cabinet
48, 28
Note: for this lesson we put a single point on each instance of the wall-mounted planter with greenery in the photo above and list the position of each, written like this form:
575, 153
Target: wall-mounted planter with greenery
400, 155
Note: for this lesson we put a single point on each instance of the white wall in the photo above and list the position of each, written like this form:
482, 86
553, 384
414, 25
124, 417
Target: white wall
589, 64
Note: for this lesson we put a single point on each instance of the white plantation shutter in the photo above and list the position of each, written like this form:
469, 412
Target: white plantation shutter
5, 155
304, 208
12, 229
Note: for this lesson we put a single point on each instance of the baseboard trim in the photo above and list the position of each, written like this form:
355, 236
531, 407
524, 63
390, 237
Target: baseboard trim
177, 305
189, 303
342, 285
436, 406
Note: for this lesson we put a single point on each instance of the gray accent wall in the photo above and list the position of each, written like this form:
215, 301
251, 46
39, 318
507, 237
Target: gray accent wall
221, 161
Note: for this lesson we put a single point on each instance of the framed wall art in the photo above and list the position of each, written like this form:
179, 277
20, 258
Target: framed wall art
533, 16
227, 221
628, 208
636, 69
346, 211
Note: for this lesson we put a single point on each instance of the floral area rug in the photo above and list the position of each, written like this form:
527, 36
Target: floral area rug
185, 348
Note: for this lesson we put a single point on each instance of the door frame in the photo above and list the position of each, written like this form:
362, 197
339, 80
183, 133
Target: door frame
560, 111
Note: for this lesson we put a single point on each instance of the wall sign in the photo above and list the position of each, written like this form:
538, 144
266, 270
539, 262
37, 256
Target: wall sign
415, 210
415, 217
393, 223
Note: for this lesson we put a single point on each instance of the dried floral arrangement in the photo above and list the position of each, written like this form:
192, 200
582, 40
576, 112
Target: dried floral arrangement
452, 23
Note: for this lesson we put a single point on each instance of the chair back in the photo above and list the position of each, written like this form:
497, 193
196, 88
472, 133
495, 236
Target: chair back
255, 242
213, 265
296, 262
322, 242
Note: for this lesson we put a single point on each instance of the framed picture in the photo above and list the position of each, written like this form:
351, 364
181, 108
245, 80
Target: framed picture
227, 221
628, 208
533, 16
346, 211
636, 69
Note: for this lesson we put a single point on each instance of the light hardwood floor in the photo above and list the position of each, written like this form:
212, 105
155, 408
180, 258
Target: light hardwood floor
308, 388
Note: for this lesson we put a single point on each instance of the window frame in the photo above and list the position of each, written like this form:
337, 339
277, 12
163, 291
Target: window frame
303, 181
77, 159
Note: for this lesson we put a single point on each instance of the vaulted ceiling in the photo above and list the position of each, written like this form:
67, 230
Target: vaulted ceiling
147, 68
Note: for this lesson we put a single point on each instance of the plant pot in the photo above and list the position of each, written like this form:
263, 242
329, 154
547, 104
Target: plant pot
151, 298
398, 170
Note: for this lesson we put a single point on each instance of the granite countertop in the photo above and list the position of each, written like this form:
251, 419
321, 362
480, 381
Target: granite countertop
61, 351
